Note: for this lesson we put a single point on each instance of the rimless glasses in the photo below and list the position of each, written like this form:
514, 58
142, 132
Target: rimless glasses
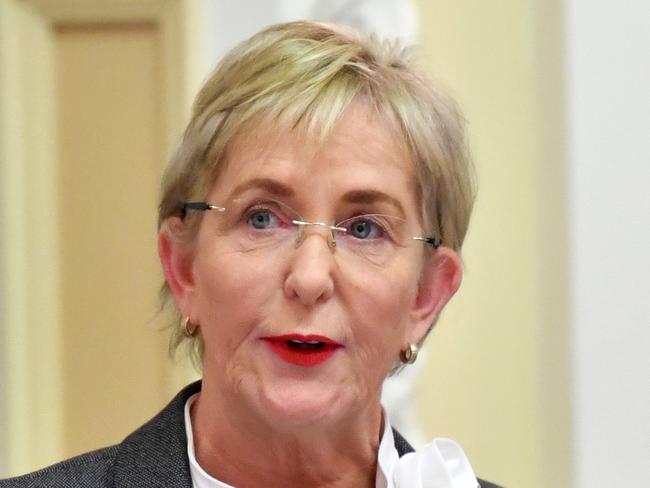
266, 224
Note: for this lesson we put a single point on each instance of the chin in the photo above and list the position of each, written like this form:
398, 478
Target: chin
291, 403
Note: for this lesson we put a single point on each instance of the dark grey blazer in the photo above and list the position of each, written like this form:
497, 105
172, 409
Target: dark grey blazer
155, 455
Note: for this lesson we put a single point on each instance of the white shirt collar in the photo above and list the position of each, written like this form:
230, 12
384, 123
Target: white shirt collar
200, 479
439, 464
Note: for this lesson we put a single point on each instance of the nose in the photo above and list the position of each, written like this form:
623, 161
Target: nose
309, 278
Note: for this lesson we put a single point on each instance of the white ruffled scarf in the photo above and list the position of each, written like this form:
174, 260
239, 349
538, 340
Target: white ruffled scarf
439, 464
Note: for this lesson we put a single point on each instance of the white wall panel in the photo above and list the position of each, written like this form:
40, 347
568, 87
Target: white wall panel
608, 72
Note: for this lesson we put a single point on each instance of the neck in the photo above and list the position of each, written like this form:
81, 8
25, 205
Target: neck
235, 447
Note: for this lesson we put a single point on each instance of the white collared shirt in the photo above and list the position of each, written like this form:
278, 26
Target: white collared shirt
439, 464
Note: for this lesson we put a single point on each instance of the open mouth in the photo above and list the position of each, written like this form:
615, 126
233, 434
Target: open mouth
305, 346
303, 350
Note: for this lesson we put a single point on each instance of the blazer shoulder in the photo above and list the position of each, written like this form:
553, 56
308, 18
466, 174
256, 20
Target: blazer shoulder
152, 456
92, 469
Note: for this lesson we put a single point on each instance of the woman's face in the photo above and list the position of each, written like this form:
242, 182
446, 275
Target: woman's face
298, 332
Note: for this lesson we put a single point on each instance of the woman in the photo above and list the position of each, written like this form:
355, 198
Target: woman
309, 233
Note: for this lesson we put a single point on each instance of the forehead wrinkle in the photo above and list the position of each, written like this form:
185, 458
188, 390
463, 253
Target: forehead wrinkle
275, 159
253, 158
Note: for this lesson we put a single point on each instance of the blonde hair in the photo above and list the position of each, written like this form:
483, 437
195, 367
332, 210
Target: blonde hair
307, 74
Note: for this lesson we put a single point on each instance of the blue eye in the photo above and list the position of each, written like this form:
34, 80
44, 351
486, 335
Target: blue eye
262, 219
365, 228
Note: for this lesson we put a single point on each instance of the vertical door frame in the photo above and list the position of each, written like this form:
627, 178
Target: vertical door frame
30, 321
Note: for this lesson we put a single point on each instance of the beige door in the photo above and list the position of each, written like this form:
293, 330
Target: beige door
111, 153
92, 101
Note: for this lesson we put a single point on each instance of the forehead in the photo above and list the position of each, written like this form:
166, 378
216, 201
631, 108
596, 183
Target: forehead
361, 152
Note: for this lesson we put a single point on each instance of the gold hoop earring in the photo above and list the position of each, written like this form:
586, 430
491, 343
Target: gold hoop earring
409, 355
189, 329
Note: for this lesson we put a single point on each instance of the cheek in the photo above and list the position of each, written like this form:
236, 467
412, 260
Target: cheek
379, 305
231, 297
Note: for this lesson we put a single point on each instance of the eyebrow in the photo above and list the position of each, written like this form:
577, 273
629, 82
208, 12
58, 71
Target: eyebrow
279, 189
372, 197
274, 187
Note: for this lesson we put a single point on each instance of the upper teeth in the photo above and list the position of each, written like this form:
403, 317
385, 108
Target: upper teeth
304, 342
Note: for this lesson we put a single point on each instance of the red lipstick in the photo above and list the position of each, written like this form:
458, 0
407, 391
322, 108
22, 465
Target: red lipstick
302, 350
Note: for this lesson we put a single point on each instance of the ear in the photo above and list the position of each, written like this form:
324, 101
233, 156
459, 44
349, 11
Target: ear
439, 282
176, 256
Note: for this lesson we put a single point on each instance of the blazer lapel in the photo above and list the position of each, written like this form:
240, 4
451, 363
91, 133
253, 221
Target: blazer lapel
401, 444
155, 455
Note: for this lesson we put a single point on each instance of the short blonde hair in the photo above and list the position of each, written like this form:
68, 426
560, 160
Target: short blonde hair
305, 73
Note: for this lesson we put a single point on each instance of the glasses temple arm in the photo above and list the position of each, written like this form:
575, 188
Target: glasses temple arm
199, 206
434, 242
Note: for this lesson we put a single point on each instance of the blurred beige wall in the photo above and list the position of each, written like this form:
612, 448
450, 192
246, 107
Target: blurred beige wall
497, 377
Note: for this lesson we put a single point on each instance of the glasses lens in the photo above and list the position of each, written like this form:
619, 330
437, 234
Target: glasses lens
252, 224
374, 237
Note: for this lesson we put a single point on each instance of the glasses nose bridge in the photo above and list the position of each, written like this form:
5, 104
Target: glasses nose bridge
302, 226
